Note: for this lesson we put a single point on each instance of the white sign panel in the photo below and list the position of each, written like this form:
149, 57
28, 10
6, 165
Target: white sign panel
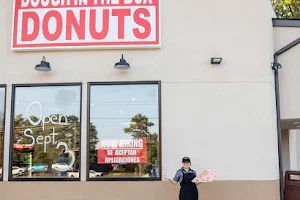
83, 24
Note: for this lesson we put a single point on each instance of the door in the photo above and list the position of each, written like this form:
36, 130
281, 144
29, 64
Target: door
292, 185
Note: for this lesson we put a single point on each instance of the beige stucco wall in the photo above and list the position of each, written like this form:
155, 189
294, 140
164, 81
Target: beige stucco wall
289, 74
225, 113
226, 190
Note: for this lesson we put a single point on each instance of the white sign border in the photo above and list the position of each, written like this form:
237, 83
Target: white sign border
78, 48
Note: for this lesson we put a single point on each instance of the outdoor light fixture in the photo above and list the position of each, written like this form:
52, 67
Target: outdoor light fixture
215, 61
122, 64
43, 66
276, 65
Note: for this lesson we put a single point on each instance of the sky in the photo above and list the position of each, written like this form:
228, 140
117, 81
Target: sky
112, 106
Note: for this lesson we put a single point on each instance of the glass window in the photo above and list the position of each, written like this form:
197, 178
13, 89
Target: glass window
2, 121
46, 132
124, 131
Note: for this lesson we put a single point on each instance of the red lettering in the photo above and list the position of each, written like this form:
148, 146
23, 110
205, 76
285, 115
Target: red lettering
52, 36
79, 27
105, 24
36, 26
142, 22
48, 27
121, 13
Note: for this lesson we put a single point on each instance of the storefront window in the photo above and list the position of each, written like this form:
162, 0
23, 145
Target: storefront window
2, 121
46, 132
124, 131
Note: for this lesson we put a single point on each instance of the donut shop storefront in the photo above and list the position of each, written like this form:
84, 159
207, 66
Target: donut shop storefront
96, 94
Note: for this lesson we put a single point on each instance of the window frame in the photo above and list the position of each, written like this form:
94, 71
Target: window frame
4, 123
14, 86
89, 84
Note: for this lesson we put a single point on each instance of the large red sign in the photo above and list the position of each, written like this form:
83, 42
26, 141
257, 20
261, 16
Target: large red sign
116, 151
74, 24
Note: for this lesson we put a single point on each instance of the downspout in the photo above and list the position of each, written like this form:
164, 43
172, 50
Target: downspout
276, 66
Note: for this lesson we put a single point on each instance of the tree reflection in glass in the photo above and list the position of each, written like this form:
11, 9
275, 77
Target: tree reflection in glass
46, 138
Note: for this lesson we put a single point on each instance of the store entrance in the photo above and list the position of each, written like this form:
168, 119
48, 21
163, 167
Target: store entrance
290, 146
290, 136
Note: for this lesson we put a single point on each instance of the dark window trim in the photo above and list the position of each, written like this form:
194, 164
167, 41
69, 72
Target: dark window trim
4, 117
10, 178
124, 179
89, 84
286, 22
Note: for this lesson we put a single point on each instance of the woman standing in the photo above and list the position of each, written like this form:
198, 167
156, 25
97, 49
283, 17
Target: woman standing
184, 176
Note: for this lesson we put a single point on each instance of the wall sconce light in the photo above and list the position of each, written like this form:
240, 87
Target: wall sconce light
215, 61
276, 66
43, 66
122, 64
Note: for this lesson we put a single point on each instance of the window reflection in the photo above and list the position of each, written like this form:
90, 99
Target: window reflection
46, 132
124, 131
2, 108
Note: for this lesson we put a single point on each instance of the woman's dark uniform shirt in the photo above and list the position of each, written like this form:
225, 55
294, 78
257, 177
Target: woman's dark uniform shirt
179, 174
